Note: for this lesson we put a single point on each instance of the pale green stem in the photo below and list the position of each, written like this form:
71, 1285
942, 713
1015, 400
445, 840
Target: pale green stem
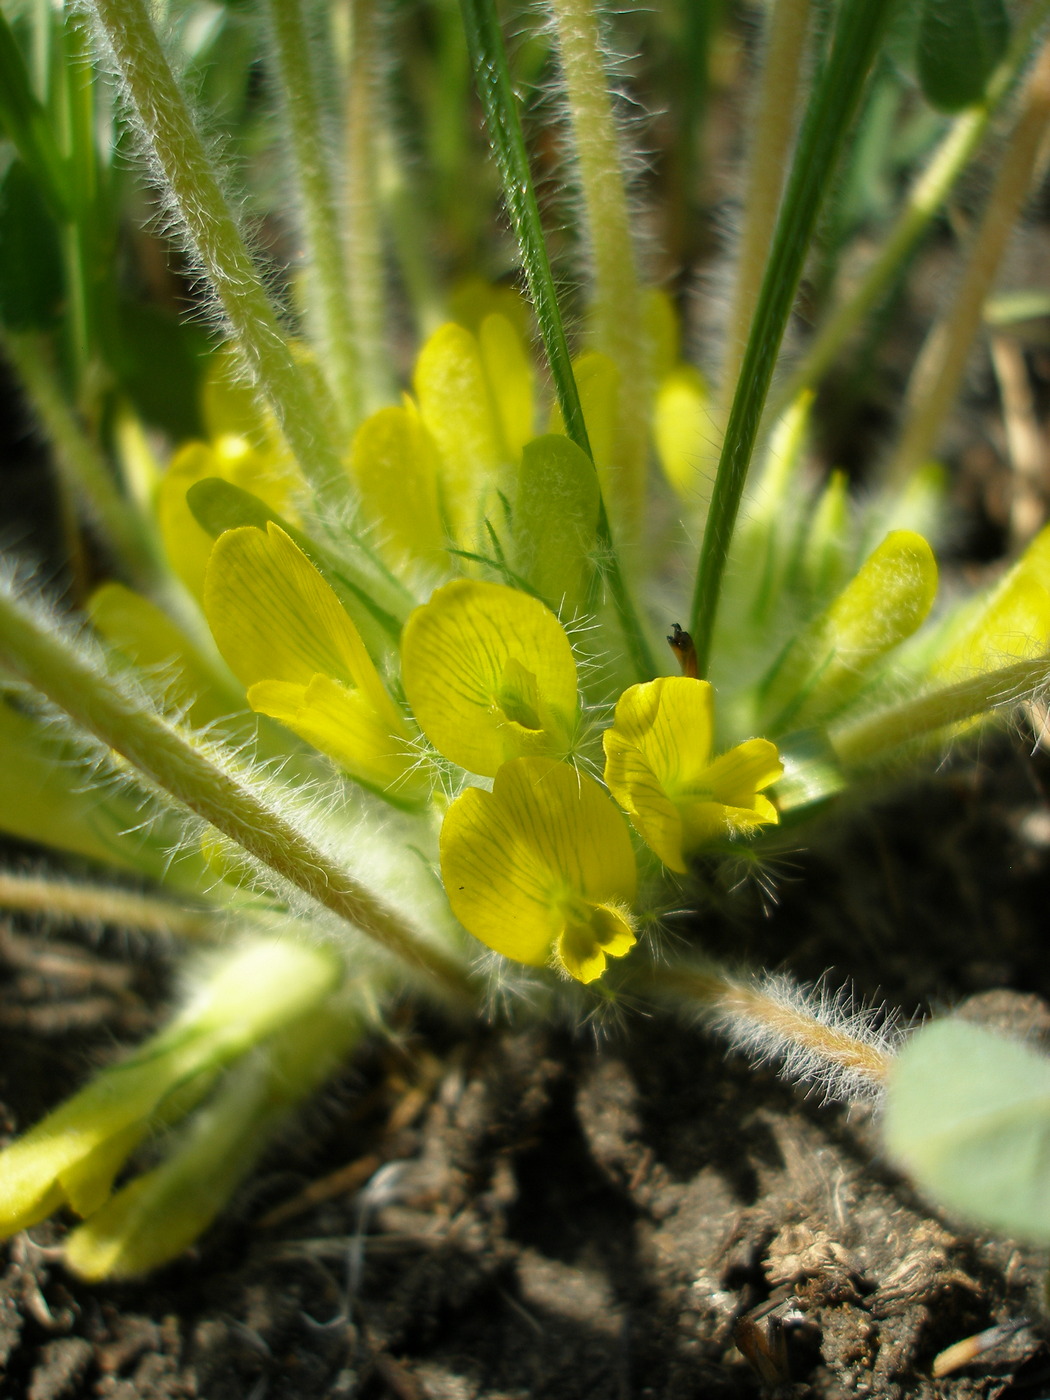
408, 233
926, 196
364, 114
939, 369
302, 407
326, 264
616, 302
779, 1022
81, 465
773, 128
197, 776
94, 904
869, 741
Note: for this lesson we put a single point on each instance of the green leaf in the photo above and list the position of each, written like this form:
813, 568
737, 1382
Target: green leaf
968, 1117
31, 278
556, 520
959, 44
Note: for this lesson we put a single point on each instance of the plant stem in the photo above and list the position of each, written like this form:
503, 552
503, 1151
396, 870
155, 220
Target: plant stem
616, 305
81, 464
200, 776
833, 106
93, 904
324, 248
939, 369
364, 115
871, 740
926, 196
773, 1019
300, 405
492, 76
773, 126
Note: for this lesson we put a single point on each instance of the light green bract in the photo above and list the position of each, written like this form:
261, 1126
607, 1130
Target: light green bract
968, 1117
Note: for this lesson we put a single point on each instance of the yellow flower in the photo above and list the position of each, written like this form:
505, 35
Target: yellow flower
658, 766
490, 675
231, 458
541, 868
288, 639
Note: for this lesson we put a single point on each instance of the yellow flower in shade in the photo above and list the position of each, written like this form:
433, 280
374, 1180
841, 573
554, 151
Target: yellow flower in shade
658, 766
490, 675
288, 639
541, 868
231, 458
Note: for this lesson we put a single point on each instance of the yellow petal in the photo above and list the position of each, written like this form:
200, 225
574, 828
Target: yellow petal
147, 638
586, 944
233, 459
671, 720
1014, 626
394, 464
636, 787
510, 378
274, 617
683, 431
342, 724
736, 776
455, 405
477, 661
531, 860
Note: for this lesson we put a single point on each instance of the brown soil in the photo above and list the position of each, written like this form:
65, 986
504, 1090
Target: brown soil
528, 1214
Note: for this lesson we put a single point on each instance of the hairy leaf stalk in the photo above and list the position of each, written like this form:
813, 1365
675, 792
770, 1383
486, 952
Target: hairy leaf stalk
616, 301
190, 770
320, 206
200, 203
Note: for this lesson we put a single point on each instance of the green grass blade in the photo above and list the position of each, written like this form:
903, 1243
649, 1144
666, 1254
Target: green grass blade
833, 105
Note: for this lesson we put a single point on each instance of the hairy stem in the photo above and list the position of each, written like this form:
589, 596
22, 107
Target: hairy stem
301, 406
195, 773
831, 111
364, 114
775, 1020
942, 361
772, 128
871, 740
94, 904
320, 205
616, 304
492, 76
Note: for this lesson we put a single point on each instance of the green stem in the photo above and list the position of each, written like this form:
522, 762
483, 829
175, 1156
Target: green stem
871, 740
198, 775
830, 113
80, 463
324, 249
301, 407
492, 76
364, 113
938, 371
616, 304
773, 127
925, 198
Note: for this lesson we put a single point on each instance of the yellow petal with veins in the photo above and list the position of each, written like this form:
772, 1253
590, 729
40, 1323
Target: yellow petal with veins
490, 675
541, 868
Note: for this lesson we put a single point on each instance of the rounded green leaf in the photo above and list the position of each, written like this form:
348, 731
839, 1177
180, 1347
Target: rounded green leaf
960, 42
968, 1117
